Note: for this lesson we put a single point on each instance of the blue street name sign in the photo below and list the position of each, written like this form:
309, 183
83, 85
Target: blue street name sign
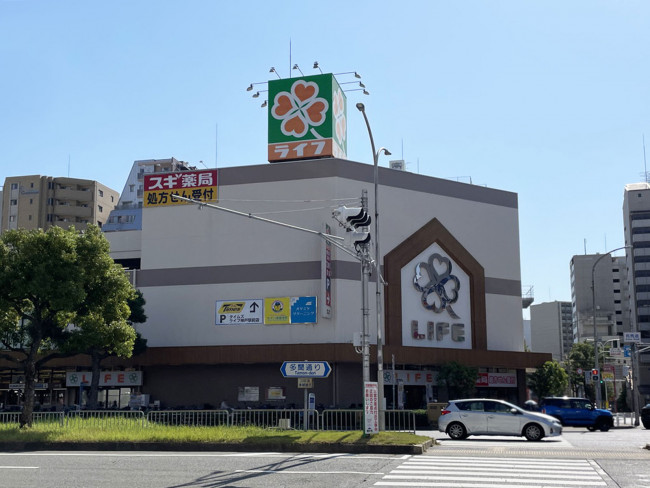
305, 369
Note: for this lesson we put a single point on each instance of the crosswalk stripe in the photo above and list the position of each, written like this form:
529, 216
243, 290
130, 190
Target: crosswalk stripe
504, 471
472, 472
461, 485
527, 467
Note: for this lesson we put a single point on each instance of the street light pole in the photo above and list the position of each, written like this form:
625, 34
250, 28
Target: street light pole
593, 298
378, 281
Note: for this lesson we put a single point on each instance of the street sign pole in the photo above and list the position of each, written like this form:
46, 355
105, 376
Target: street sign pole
305, 418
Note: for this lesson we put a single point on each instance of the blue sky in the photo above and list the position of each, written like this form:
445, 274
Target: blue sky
548, 99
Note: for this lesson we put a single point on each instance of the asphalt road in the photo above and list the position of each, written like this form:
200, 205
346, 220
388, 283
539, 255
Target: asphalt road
576, 459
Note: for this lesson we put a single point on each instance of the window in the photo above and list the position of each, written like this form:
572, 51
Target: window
112, 198
131, 188
101, 193
49, 217
31, 185
100, 208
14, 186
13, 202
50, 201
30, 217
12, 218
31, 200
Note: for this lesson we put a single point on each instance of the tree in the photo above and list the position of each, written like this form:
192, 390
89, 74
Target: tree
549, 380
581, 357
458, 378
101, 339
50, 280
621, 401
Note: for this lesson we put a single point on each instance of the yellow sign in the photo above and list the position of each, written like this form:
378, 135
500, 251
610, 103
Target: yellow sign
277, 310
160, 188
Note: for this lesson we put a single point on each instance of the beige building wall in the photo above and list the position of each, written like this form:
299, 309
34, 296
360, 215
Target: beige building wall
34, 201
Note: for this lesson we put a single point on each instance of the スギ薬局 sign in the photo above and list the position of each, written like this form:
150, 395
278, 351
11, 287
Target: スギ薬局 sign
307, 118
160, 188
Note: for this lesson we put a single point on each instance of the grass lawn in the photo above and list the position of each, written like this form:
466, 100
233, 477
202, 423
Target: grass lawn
134, 431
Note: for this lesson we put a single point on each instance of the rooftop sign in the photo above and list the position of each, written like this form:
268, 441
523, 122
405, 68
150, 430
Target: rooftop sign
307, 118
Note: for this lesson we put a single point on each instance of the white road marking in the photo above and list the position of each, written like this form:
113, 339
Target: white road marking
295, 471
482, 472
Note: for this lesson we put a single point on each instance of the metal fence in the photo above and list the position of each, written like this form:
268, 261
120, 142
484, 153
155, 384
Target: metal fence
37, 418
106, 418
299, 419
286, 418
348, 419
194, 418
624, 418
400, 420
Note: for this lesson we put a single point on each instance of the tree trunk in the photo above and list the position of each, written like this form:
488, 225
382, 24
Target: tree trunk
30, 387
94, 383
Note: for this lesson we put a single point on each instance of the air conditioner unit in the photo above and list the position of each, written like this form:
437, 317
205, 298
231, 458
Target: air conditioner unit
398, 164
284, 424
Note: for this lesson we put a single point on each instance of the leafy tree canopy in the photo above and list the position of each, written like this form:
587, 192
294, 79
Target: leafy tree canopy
549, 380
459, 379
50, 280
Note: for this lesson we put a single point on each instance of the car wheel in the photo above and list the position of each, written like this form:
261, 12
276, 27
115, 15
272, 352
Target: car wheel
646, 425
457, 431
591, 428
533, 432
603, 425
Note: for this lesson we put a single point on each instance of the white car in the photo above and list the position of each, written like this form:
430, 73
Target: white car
485, 416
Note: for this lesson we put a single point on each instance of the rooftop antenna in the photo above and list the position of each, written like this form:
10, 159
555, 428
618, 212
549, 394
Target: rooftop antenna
645, 168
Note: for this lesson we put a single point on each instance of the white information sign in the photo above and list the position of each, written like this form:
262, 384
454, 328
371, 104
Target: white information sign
239, 312
371, 407
629, 337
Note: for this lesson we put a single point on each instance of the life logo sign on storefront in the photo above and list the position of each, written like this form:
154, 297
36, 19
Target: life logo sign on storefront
160, 188
307, 118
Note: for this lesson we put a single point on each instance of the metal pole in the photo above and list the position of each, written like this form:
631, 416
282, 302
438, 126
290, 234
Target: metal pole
394, 381
378, 280
365, 273
635, 384
593, 296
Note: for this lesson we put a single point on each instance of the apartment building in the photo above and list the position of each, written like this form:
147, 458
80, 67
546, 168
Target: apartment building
610, 293
551, 328
636, 219
34, 201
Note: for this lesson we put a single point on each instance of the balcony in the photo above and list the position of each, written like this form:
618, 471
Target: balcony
76, 195
72, 211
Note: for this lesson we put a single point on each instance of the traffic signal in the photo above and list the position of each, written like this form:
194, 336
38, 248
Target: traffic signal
356, 221
595, 376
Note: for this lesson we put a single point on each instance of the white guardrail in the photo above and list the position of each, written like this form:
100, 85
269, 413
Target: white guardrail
624, 418
331, 419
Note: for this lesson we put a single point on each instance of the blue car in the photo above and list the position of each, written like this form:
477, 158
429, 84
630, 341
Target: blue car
577, 412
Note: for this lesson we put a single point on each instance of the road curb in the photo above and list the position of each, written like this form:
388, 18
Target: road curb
216, 447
